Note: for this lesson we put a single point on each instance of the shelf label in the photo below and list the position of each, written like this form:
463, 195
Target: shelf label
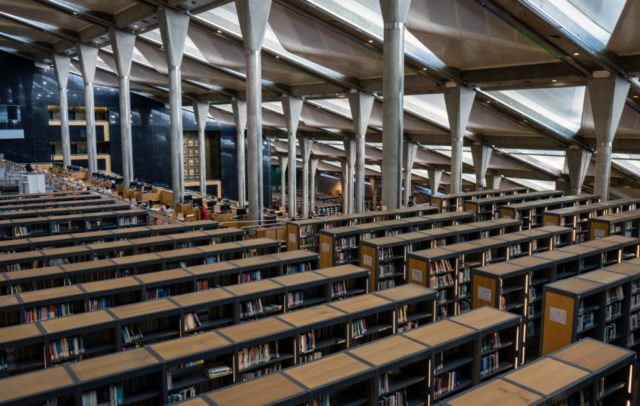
292, 237
416, 275
598, 233
367, 260
558, 315
484, 294
325, 247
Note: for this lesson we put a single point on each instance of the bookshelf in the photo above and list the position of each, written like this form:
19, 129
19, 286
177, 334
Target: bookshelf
341, 245
489, 208
532, 213
37, 195
496, 392
384, 258
27, 211
60, 199
624, 223
451, 219
455, 201
58, 205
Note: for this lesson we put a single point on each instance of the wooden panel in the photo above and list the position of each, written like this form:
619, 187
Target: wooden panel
557, 335
496, 393
327, 370
19, 332
417, 267
471, 208
205, 296
292, 237
591, 354
253, 287
485, 317
437, 333
326, 251
546, 376
258, 392
482, 282
305, 277
76, 321
387, 350
33, 383
193, 344
360, 303
368, 261
550, 220
48, 294
311, 315
275, 233
597, 226
144, 308
255, 329
113, 364
404, 292
111, 284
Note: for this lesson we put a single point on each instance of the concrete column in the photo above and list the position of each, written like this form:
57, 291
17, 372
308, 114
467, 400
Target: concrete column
578, 160
481, 155
361, 105
201, 111
608, 96
240, 117
305, 151
344, 176
312, 181
283, 160
62, 63
292, 107
394, 14
173, 29
493, 181
350, 152
88, 56
459, 101
373, 181
253, 16
410, 152
435, 176
123, 44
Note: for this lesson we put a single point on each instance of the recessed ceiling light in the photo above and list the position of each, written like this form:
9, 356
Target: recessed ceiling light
554, 80
424, 68
277, 56
635, 96
576, 53
75, 13
525, 121
135, 26
488, 101
219, 31
370, 41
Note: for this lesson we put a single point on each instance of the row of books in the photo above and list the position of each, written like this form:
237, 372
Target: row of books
307, 342
342, 257
491, 342
633, 321
386, 284
295, 298
446, 382
47, 312
191, 321
464, 306
20, 232
322, 401
65, 348
610, 332
346, 242
251, 308
490, 364
439, 282
182, 395
615, 294
10, 268
358, 328
259, 354
158, 293
464, 275
250, 276
108, 396
462, 291
214, 259
130, 221
440, 267
586, 321
577, 399
260, 372
398, 398
386, 253
387, 270
216, 371
339, 289
311, 357
613, 310
131, 333
298, 268
406, 310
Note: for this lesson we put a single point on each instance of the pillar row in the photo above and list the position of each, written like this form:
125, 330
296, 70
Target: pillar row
493, 181
350, 160
283, 160
578, 161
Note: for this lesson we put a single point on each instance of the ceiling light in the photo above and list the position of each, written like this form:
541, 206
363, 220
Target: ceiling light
424, 68
75, 13
576, 53
554, 80
277, 56
370, 41
488, 101
219, 31
635, 96
135, 26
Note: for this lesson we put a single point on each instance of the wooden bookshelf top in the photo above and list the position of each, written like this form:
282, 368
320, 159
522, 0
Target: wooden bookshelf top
605, 277
342, 230
179, 253
77, 250
212, 268
580, 249
164, 276
501, 269
253, 287
506, 222
76, 321
82, 266
257, 242
294, 255
33, 383
462, 228
360, 303
411, 237
143, 308
259, 260
303, 277
546, 376
188, 236
224, 231
311, 315
625, 268
19, 332
591, 354
326, 370
114, 245
35, 272
165, 227
135, 259
110, 284
393, 223
120, 362
222, 248
484, 317
93, 234
556, 229
194, 402
535, 233
72, 217
153, 240
8, 300
390, 349
437, 232
369, 227
436, 253
254, 329
466, 246
339, 271
387, 240
21, 256
621, 239
557, 255
496, 393
437, 333
48, 294
406, 291
513, 237
530, 261
601, 244
52, 238
257, 392
192, 344
205, 296
489, 243
575, 285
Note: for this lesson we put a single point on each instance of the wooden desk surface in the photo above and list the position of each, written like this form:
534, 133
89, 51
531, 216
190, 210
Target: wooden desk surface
205, 296
253, 287
136, 259
496, 393
109, 284
326, 370
257, 392
311, 315
501, 268
76, 321
33, 383
212, 268
254, 329
603, 276
389, 349
437, 333
339, 271
163, 276
484, 317
93, 368
143, 308
303, 277
19, 332
192, 344
625, 268
531, 261
546, 376
575, 285
591, 354
360, 303
48, 294
406, 291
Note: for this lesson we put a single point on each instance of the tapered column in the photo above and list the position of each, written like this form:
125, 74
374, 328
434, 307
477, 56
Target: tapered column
361, 105
435, 176
481, 155
394, 14
253, 16
123, 44
61, 64
344, 175
493, 181
578, 160
350, 153
608, 96
88, 56
284, 160
292, 107
459, 101
173, 29
305, 152
201, 111
374, 191
410, 152
240, 117
312, 181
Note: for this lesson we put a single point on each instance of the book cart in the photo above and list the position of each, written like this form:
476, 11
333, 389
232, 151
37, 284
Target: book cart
532, 213
28, 212
489, 208
624, 224
587, 372
456, 201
